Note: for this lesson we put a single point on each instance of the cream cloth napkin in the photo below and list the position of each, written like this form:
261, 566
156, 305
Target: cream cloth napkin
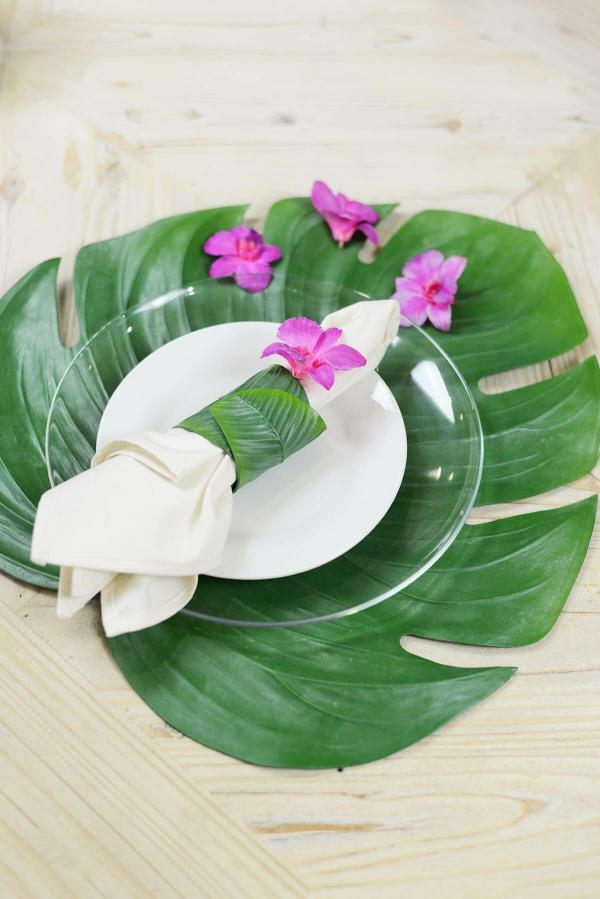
154, 510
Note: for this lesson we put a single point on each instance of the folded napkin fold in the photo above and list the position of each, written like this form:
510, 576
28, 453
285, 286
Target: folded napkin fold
150, 514
154, 510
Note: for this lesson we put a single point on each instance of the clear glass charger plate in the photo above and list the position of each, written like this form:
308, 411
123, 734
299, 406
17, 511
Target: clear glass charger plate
443, 432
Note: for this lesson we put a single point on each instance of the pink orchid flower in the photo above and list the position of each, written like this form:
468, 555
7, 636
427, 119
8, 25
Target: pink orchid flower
243, 254
344, 216
428, 287
312, 352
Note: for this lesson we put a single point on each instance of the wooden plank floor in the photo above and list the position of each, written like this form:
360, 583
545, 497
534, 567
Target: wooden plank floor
116, 113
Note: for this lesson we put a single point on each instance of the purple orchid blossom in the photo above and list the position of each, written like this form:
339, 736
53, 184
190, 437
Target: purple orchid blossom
344, 216
243, 254
427, 289
312, 352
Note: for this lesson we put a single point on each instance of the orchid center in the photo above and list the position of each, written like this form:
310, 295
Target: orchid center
432, 288
248, 248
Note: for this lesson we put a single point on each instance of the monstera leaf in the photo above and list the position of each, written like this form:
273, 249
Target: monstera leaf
341, 692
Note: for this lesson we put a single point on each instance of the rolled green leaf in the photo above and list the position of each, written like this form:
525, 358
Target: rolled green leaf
260, 424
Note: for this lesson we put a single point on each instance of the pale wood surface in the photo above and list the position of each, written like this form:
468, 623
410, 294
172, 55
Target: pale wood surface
116, 113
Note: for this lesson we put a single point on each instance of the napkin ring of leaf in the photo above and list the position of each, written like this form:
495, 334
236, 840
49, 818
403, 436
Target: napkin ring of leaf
260, 424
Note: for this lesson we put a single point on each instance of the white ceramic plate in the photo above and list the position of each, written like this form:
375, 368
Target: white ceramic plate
316, 505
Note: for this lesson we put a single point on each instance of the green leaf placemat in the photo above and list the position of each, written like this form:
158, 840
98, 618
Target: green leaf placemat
342, 692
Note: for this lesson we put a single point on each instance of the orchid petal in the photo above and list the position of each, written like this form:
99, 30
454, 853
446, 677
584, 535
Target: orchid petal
408, 290
448, 286
453, 267
270, 253
243, 232
322, 198
422, 267
223, 243
323, 374
281, 349
369, 232
300, 332
341, 229
326, 340
360, 212
440, 316
221, 268
415, 309
403, 284
445, 297
253, 276
343, 357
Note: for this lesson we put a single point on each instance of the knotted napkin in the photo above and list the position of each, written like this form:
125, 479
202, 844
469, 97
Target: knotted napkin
154, 509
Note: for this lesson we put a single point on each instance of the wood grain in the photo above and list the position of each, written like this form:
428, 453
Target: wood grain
117, 113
